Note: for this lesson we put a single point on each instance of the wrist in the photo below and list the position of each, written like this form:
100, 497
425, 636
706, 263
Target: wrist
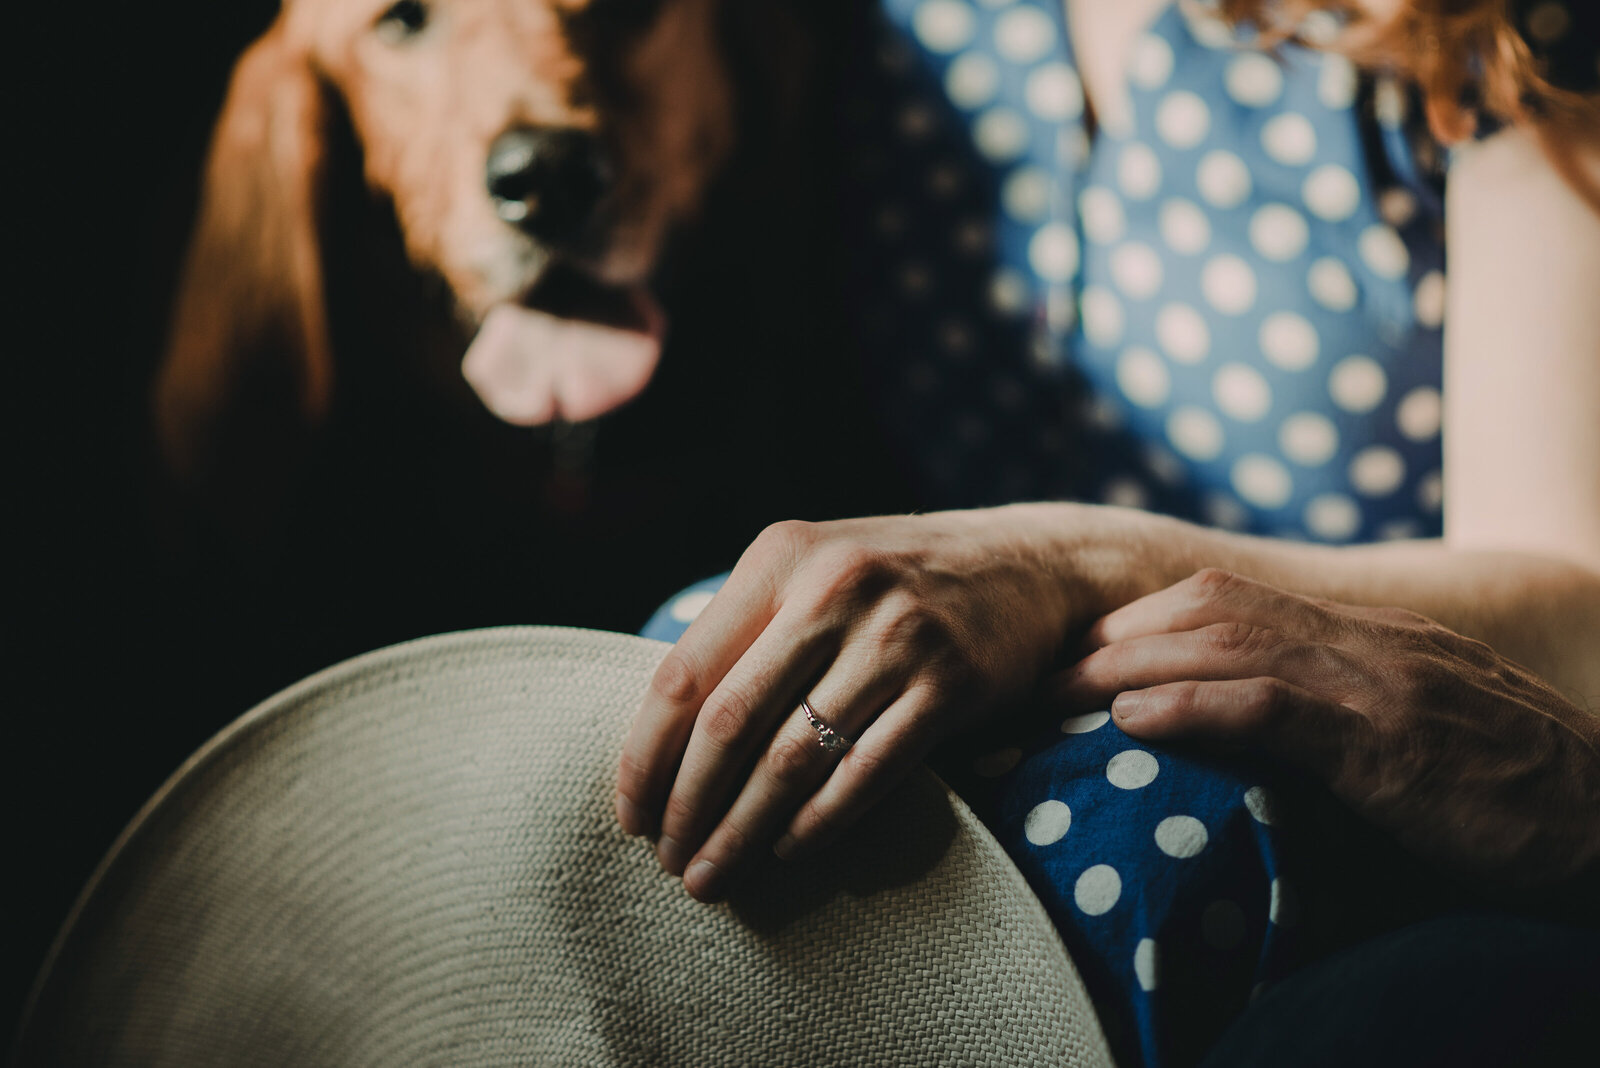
1101, 557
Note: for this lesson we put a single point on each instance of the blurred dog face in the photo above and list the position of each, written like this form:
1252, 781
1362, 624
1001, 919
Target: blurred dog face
536, 152
515, 134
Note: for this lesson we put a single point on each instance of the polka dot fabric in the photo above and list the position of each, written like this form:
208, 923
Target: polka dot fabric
1229, 310
1163, 874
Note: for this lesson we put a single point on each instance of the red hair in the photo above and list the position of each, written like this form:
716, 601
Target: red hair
1467, 59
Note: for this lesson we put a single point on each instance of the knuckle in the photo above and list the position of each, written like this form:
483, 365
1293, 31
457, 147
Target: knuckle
729, 841
1402, 617
1210, 583
726, 715
678, 817
817, 821
633, 777
957, 678
1470, 650
792, 760
735, 838
1418, 678
851, 565
786, 533
869, 761
1235, 639
677, 680
1183, 698
1106, 665
784, 541
904, 623
1267, 703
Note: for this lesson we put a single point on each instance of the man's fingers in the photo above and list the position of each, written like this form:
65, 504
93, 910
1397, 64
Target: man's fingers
1206, 597
735, 722
880, 759
687, 675
1214, 652
795, 762
1264, 713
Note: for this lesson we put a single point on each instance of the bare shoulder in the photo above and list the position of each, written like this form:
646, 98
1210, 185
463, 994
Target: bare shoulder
1518, 155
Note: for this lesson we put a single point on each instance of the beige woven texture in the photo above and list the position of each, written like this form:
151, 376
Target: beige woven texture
410, 859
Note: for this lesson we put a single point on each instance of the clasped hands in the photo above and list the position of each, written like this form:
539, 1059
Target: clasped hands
903, 631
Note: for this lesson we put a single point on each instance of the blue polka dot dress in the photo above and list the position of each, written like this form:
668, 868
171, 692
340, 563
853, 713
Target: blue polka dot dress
1228, 311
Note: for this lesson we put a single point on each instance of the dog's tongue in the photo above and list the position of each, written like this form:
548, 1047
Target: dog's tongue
531, 367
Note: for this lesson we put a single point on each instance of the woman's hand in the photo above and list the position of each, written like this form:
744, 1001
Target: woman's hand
898, 631
1465, 757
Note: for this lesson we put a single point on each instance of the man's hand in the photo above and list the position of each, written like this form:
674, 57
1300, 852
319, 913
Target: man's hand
1467, 758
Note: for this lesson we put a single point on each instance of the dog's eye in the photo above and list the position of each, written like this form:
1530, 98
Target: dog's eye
403, 19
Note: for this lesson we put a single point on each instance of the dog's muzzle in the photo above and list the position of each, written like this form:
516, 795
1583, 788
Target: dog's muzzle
547, 181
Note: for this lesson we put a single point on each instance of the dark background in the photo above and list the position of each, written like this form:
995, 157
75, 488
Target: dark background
135, 640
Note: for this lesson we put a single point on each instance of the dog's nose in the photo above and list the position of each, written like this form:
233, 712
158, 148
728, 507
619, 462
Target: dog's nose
546, 181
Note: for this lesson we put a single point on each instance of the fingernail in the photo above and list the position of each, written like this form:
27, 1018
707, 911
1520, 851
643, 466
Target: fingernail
704, 881
786, 847
1127, 705
631, 816
672, 855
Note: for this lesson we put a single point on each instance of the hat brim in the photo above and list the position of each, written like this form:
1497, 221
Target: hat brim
411, 858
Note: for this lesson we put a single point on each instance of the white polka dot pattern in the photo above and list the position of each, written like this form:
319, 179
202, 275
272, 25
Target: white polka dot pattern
1143, 377
1330, 285
1262, 481
1182, 119
1289, 341
943, 25
1181, 837
1136, 269
1196, 433
1183, 333
1229, 284
1139, 172
1048, 823
1024, 35
1089, 721
972, 80
1278, 232
1254, 80
1102, 316
1132, 769
1098, 889
1331, 192
1147, 965
1103, 218
1261, 804
1289, 139
1241, 393
1308, 438
1184, 227
1223, 179
1001, 134
1053, 253
1357, 384
1054, 93
1151, 62
1220, 273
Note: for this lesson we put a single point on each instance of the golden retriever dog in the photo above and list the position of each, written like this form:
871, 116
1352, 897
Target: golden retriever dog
536, 155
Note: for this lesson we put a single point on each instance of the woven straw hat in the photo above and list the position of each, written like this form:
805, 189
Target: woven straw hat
410, 859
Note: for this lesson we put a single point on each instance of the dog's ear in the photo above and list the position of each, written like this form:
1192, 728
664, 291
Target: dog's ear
248, 369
